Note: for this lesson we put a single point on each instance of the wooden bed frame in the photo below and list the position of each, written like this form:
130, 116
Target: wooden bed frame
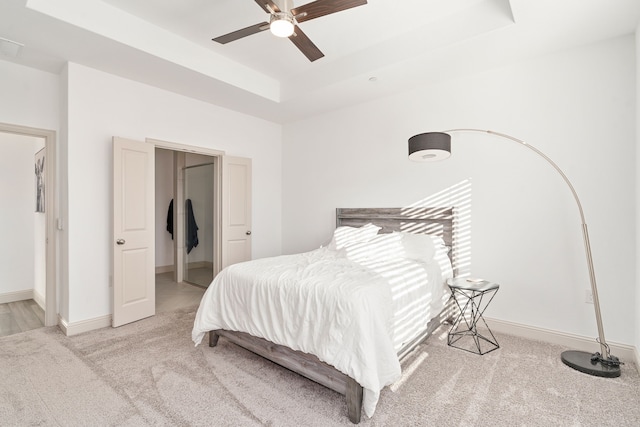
422, 220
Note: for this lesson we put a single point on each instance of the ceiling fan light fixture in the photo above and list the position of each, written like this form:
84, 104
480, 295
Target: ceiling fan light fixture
281, 24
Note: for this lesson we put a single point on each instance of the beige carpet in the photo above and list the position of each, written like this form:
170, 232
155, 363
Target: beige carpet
149, 373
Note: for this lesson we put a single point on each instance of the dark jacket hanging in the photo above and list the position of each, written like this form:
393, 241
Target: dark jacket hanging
192, 227
170, 219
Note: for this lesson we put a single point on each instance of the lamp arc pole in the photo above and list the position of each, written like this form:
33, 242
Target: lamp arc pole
599, 364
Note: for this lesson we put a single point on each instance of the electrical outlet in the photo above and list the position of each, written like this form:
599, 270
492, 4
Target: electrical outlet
588, 296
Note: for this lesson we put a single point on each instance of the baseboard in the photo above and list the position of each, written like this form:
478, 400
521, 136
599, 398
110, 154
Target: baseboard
76, 328
573, 342
170, 268
200, 264
39, 299
16, 296
164, 269
637, 360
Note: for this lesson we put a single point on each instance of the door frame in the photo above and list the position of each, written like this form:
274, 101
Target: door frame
178, 195
49, 136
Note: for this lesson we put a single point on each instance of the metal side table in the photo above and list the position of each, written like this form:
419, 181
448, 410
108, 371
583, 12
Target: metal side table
472, 297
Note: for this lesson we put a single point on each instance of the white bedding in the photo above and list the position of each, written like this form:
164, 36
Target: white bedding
352, 312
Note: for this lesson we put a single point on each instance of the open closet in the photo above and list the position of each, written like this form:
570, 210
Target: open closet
186, 243
187, 240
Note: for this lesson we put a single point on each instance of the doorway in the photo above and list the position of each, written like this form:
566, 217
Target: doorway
187, 228
29, 221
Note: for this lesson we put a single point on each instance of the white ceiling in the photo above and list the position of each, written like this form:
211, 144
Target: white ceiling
370, 51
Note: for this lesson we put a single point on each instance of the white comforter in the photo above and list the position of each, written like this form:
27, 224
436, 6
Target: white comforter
353, 315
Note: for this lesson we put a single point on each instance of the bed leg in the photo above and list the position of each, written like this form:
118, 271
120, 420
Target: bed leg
354, 400
213, 338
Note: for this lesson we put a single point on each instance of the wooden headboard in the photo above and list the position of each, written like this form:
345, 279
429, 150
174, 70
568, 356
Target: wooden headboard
420, 220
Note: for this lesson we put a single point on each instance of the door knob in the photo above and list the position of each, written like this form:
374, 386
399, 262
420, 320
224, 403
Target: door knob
248, 233
120, 241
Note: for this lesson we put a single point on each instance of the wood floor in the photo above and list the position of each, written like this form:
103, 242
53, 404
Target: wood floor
22, 316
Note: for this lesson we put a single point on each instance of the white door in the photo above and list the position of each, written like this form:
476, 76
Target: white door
236, 210
134, 293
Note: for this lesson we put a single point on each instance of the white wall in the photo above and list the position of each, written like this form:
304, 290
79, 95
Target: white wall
100, 106
29, 97
637, 260
576, 106
17, 246
164, 194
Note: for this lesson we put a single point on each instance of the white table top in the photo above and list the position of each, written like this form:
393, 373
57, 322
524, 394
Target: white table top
472, 284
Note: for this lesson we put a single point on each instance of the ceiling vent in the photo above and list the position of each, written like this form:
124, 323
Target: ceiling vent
10, 48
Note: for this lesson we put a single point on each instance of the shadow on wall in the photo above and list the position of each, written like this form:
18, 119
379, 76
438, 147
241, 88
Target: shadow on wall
457, 196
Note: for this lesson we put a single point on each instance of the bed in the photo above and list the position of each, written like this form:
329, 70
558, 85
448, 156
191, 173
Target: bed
346, 314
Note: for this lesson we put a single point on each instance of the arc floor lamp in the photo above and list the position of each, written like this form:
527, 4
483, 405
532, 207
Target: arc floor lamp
432, 146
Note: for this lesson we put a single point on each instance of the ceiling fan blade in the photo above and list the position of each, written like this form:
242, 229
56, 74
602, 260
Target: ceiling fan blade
242, 33
320, 8
305, 45
266, 4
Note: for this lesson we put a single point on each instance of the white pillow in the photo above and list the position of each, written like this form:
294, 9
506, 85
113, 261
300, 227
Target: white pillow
381, 246
422, 247
345, 235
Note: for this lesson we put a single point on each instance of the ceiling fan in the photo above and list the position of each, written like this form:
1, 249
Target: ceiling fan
284, 19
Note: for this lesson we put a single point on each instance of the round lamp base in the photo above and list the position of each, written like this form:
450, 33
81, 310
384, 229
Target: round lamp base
586, 363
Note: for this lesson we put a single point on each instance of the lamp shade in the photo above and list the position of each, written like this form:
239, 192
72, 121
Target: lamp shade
430, 146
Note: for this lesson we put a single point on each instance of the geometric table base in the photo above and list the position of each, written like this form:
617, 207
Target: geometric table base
473, 341
470, 332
